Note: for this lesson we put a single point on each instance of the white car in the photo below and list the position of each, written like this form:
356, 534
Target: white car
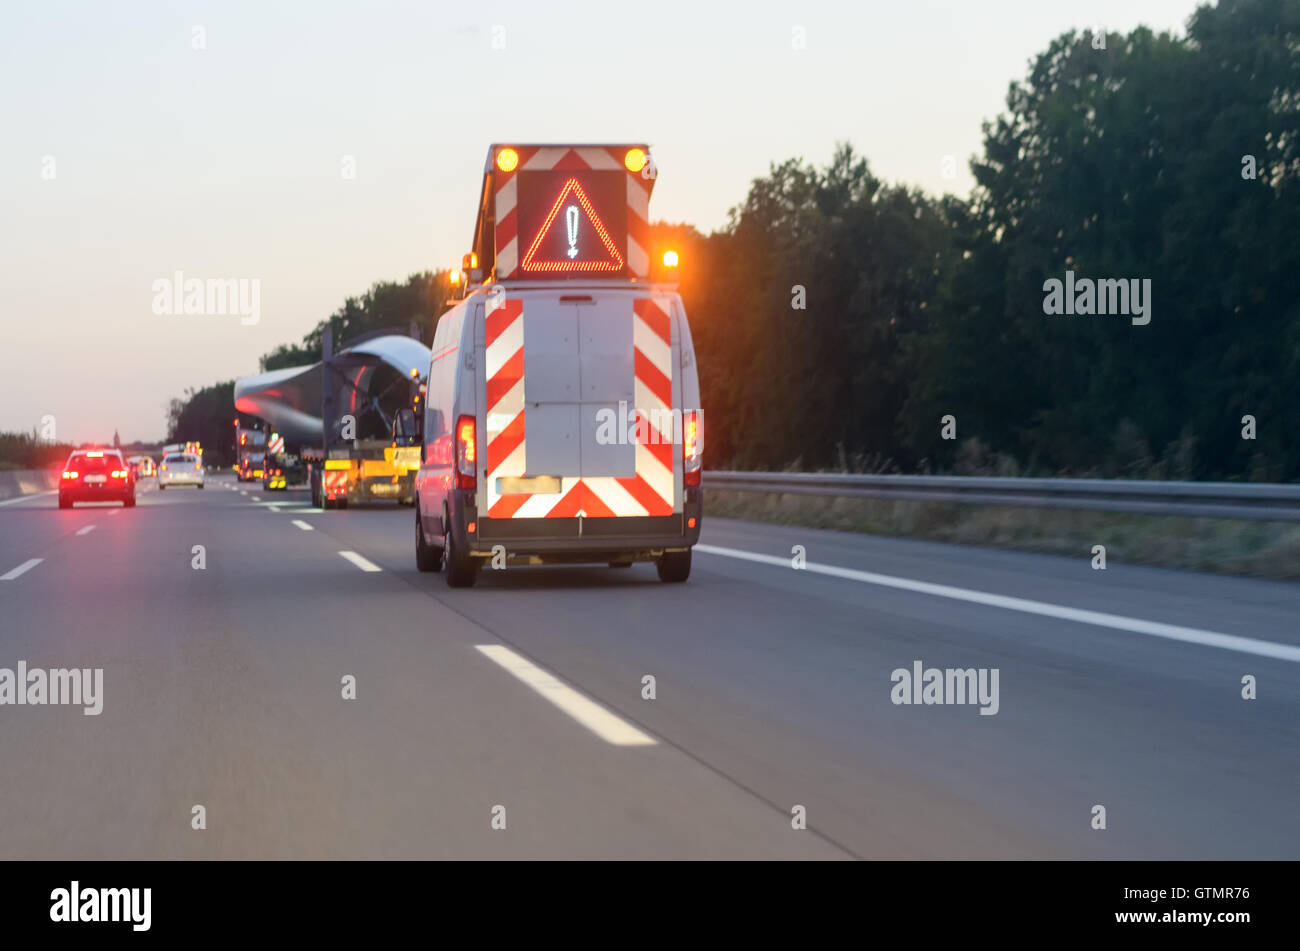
180, 468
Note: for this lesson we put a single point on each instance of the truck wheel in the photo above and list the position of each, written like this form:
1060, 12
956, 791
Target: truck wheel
462, 571
427, 558
674, 566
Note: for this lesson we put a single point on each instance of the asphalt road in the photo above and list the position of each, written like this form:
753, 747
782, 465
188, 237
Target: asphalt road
222, 687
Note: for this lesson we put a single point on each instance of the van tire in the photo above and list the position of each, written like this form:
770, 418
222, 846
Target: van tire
427, 558
674, 566
462, 571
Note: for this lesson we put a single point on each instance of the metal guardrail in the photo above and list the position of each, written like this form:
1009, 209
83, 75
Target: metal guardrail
1248, 500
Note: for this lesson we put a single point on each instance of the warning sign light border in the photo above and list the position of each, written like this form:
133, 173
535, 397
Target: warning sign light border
528, 264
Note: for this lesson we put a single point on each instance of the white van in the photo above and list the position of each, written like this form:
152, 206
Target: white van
562, 420
561, 425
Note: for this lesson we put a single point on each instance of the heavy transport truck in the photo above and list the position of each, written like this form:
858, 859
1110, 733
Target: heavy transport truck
337, 418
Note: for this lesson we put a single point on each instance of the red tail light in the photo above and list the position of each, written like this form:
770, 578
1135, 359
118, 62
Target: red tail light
70, 474
163, 467
466, 453
118, 473
692, 446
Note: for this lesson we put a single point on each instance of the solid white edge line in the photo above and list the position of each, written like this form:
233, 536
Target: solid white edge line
606, 725
86, 530
25, 567
30, 495
365, 564
303, 525
1173, 632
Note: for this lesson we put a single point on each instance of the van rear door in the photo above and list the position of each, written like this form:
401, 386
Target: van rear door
579, 386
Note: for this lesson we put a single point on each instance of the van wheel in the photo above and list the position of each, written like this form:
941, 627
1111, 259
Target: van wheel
462, 571
427, 558
674, 566
161, 486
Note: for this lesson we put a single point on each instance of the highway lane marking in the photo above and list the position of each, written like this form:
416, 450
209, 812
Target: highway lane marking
22, 569
24, 498
86, 531
303, 525
114, 511
365, 564
597, 719
1173, 632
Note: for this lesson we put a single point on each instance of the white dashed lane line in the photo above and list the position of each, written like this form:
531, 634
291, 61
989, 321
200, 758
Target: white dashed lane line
86, 531
22, 569
1118, 622
365, 564
301, 524
606, 725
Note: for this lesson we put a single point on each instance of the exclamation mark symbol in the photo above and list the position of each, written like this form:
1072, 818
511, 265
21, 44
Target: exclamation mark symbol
571, 220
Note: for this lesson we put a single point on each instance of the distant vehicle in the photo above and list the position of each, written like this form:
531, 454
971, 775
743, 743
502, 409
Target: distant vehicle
562, 422
141, 466
98, 475
282, 471
180, 468
250, 442
252, 466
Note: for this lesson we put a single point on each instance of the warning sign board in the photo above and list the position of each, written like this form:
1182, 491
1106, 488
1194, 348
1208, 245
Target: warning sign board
572, 222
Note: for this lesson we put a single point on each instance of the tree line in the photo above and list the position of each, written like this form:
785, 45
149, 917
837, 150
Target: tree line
839, 319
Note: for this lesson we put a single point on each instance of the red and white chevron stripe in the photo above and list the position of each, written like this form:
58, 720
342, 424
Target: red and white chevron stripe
652, 491
504, 335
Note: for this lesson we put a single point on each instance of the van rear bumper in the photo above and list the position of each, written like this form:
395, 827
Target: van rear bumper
639, 536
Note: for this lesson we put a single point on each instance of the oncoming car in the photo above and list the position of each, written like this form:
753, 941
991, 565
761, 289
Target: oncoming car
96, 475
180, 468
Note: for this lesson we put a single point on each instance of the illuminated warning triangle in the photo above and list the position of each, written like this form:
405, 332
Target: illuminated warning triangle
574, 227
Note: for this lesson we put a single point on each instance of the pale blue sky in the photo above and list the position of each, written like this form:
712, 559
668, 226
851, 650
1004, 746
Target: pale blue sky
225, 162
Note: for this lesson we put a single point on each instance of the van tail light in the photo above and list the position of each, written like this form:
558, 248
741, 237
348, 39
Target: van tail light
163, 467
196, 467
466, 453
692, 446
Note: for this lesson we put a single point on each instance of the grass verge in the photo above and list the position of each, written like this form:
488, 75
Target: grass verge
1248, 548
